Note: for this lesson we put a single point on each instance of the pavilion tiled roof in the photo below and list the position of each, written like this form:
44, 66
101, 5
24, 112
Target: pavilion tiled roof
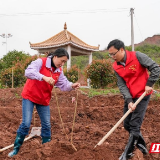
63, 38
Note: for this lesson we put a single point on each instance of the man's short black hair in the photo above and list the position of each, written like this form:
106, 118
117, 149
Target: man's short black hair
116, 43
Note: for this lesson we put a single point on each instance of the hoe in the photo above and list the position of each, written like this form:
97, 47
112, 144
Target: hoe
35, 131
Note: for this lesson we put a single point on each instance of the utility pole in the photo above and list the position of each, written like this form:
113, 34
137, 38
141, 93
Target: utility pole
8, 36
132, 29
5, 36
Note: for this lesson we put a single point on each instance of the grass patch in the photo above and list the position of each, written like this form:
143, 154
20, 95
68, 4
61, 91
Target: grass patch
156, 96
94, 92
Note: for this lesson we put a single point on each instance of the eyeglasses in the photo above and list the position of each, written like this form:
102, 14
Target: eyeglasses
112, 54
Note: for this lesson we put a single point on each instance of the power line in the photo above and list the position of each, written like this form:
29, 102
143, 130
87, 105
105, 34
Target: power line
138, 27
67, 12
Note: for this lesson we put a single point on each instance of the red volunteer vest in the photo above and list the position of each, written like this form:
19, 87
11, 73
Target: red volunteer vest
40, 91
133, 73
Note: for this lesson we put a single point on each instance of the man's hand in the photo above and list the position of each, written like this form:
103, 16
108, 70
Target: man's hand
49, 80
148, 89
76, 85
130, 105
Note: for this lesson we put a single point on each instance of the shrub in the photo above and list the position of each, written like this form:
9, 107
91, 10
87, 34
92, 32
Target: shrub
100, 73
18, 73
72, 73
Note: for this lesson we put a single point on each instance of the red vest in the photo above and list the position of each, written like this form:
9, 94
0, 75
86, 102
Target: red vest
133, 73
40, 91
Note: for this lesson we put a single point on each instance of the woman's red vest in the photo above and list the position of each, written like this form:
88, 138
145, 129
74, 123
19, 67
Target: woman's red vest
133, 73
40, 91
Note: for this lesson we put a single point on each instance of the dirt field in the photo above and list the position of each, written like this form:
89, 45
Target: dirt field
94, 118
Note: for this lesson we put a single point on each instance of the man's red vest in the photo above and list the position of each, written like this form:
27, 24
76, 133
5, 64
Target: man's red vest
40, 91
133, 73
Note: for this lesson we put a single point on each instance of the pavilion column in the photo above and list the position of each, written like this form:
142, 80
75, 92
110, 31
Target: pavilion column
38, 53
90, 61
69, 60
90, 58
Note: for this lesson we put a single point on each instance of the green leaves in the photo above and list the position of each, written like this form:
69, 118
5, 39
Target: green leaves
100, 73
72, 74
12, 58
17, 62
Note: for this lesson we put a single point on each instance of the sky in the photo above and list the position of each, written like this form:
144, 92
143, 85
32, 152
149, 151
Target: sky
96, 22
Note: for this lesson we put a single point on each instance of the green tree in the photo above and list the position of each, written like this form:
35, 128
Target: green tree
18, 73
12, 58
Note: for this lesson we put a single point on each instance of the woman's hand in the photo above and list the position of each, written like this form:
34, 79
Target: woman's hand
76, 85
49, 80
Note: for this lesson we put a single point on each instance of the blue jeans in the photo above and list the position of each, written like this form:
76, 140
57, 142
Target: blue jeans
44, 114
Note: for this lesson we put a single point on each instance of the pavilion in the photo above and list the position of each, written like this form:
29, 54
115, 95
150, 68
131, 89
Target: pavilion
65, 39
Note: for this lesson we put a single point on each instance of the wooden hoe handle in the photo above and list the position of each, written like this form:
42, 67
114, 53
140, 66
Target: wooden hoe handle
5, 148
120, 121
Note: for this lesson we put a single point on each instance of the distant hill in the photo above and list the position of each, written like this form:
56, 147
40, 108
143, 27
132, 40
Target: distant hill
154, 40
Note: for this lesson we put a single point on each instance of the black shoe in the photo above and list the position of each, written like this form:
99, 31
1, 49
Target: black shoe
141, 145
128, 152
130, 155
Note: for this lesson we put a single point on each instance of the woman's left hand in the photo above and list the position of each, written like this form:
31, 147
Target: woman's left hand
76, 85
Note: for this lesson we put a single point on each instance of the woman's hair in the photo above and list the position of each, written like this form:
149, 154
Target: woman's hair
116, 44
59, 53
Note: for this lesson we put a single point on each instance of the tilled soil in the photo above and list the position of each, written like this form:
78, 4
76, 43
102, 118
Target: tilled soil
93, 119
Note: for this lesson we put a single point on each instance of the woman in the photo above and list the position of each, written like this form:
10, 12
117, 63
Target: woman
42, 74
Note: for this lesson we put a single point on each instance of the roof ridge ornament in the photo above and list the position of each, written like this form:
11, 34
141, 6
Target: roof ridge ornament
65, 29
65, 26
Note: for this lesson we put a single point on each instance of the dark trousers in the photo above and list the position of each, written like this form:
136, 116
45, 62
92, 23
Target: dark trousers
134, 120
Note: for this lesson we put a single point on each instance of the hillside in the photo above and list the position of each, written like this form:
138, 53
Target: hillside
154, 40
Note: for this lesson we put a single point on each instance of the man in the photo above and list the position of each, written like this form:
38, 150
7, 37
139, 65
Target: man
131, 69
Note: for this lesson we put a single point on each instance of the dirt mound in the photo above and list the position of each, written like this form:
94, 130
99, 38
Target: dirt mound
94, 118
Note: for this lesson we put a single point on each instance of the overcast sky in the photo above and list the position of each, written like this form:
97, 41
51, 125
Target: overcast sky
93, 21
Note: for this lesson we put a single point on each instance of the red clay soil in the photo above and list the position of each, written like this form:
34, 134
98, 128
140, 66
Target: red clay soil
94, 118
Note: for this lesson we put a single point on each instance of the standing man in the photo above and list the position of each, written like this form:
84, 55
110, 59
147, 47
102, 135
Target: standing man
131, 69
